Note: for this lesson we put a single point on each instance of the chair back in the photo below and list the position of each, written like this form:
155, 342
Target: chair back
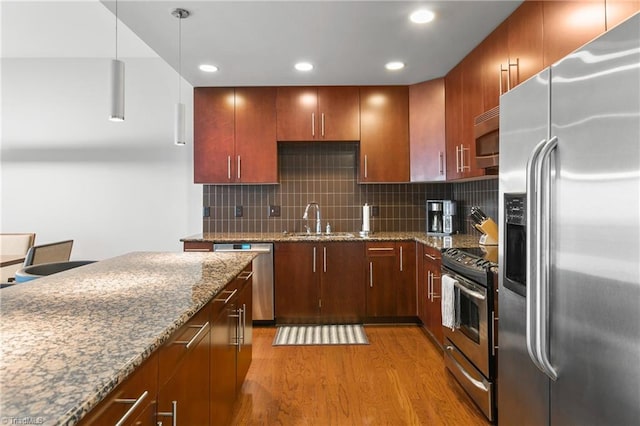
46, 253
17, 244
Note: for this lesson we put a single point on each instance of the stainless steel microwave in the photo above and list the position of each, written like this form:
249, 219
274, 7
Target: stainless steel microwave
486, 129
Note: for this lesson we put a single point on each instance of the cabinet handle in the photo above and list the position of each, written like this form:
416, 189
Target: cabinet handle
313, 124
191, 341
173, 413
502, 71
371, 274
240, 331
245, 275
462, 150
517, 65
228, 167
314, 260
493, 334
200, 250
401, 259
457, 159
431, 257
324, 259
429, 284
380, 249
441, 159
238, 167
365, 166
225, 301
434, 296
322, 121
244, 320
136, 403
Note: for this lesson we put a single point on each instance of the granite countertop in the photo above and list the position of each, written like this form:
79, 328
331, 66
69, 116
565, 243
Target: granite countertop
68, 339
458, 240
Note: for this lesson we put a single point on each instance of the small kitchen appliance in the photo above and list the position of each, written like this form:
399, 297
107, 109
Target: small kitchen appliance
440, 215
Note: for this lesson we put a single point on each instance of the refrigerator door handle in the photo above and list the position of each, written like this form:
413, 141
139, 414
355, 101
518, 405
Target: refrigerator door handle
532, 254
543, 246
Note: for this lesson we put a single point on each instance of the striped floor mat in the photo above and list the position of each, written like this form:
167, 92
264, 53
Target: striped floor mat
350, 334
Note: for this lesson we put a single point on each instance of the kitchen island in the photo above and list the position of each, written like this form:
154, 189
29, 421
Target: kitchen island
69, 339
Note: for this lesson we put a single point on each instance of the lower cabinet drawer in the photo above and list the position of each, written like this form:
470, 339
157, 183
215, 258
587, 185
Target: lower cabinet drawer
125, 404
181, 342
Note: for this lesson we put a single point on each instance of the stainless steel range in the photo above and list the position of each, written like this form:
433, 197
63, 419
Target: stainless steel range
470, 345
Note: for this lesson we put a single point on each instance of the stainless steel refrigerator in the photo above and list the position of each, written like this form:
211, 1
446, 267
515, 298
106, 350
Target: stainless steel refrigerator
569, 284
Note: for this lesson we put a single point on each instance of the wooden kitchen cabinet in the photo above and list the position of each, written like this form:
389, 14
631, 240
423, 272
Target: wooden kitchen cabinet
342, 296
319, 282
618, 11
406, 292
384, 134
495, 58
296, 287
326, 113
141, 386
231, 345
568, 25
381, 283
431, 313
235, 135
197, 246
184, 373
525, 42
427, 144
463, 105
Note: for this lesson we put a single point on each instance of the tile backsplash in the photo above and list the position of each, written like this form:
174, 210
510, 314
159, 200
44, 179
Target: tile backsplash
327, 174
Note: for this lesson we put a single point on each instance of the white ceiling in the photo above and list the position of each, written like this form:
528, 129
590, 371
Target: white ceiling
258, 42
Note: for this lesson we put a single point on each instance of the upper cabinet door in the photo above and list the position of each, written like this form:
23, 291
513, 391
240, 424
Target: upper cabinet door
525, 42
427, 143
384, 134
339, 114
568, 25
256, 155
620, 10
318, 114
297, 109
495, 59
453, 120
213, 135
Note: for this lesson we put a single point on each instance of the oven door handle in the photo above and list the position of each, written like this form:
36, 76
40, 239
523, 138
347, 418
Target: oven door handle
480, 385
475, 294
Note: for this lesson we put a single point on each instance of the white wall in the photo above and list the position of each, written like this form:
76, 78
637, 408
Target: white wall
69, 173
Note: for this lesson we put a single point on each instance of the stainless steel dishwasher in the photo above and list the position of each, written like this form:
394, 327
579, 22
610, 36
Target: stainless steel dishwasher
263, 310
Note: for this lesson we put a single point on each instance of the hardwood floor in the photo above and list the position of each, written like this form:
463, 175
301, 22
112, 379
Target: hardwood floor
398, 379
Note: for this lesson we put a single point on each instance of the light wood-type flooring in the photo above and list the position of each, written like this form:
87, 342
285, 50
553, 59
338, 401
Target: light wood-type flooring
398, 379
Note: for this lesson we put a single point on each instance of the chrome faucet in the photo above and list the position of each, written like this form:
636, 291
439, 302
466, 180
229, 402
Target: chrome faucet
305, 216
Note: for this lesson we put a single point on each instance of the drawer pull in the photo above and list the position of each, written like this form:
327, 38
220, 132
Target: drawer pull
136, 403
191, 341
225, 301
435, 259
173, 413
380, 249
245, 275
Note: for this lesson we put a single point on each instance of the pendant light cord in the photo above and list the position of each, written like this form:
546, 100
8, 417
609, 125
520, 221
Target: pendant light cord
179, 57
116, 30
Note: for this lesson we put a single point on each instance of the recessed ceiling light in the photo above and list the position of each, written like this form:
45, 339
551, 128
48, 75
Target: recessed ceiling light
394, 66
422, 16
208, 68
304, 66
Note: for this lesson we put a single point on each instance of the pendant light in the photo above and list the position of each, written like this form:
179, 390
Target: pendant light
117, 83
179, 137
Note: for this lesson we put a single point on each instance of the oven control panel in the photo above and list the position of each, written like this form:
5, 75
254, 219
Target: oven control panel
468, 263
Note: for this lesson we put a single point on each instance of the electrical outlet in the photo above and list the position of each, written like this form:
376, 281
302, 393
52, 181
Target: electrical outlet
238, 211
206, 212
375, 211
274, 211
